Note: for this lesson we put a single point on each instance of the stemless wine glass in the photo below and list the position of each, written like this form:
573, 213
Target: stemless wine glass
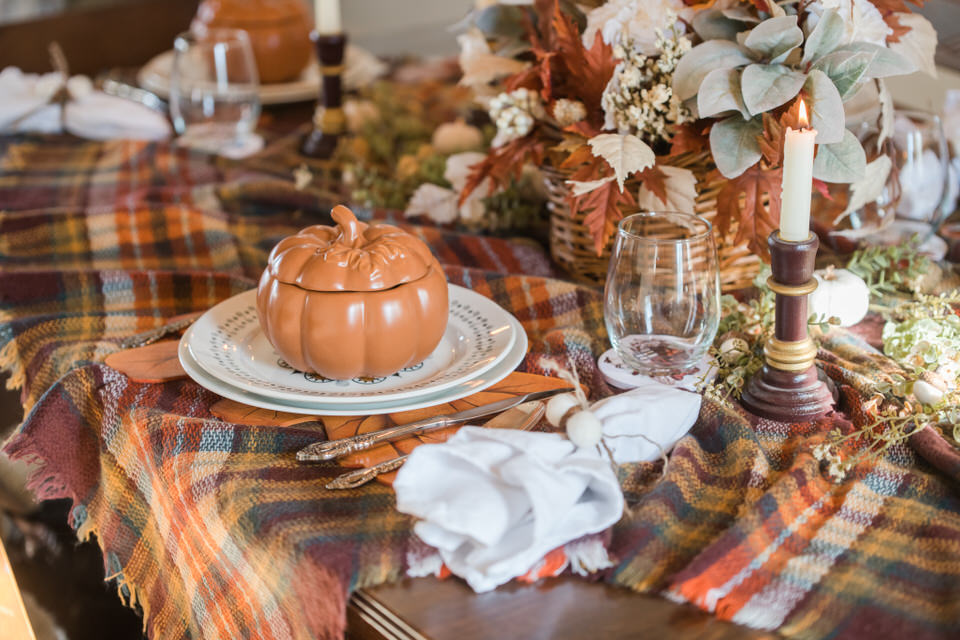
214, 99
922, 163
662, 297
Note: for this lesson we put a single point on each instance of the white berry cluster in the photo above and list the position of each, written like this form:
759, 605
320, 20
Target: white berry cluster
639, 98
567, 112
515, 113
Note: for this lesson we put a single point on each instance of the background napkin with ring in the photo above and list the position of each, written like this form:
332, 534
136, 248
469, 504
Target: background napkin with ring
50, 103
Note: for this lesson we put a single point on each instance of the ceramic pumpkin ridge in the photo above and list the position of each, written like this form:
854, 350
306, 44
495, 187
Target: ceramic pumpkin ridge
355, 300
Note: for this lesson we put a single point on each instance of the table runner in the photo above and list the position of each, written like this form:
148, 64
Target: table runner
215, 531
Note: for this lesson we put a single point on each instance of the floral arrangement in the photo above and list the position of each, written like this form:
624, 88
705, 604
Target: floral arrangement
611, 97
410, 145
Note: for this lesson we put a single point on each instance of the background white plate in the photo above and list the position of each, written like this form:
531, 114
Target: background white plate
228, 344
490, 377
362, 68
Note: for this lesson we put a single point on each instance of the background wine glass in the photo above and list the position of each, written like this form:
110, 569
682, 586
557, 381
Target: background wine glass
214, 102
662, 296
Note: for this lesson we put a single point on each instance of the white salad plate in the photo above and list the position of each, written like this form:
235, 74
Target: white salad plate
228, 344
491, 376
361, 68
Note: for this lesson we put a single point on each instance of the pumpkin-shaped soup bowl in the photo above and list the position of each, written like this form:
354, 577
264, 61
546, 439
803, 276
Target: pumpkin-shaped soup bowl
355, 300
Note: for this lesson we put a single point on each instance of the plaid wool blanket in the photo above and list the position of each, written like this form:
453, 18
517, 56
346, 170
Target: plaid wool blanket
215, 531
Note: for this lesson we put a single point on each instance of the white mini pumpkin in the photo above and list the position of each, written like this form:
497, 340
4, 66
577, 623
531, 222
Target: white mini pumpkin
841, 294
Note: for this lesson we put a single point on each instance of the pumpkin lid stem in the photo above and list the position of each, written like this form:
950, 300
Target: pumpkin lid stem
348, 224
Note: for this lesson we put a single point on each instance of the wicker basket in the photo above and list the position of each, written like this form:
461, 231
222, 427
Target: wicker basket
571, 244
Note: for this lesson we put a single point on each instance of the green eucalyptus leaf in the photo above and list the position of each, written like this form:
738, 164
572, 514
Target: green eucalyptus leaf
775, 38
719, 92
740, 14
825, 37
886, 62
711, 24
826, 107
842, 161
733, 143
767, 86
501, 20
846, 69
701, 60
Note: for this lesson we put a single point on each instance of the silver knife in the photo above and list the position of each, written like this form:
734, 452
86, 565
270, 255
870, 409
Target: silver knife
331, 449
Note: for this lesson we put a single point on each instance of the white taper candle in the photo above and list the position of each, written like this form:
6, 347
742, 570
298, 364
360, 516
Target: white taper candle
797, 180
327, 16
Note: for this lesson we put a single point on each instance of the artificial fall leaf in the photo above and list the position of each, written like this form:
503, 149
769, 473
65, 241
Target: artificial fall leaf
585, 72
580, 188
752, 200
625, 153
157, 362
666, 187
654, 179
688, 137
894, 6
238, 413
479, 64
771, 140
604, 207
899, 30
433, 201
822, 188
503, 162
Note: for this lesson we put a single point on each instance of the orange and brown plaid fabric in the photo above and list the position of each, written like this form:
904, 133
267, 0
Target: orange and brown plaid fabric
215, 531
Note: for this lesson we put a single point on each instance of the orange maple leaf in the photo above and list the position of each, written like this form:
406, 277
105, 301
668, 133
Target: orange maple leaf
689, 137
503, 162
605, 205
585, 72
752, 199
654, 179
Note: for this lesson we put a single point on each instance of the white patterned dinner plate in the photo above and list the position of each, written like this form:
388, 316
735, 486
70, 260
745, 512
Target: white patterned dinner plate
491, 376
227, 343
361, 67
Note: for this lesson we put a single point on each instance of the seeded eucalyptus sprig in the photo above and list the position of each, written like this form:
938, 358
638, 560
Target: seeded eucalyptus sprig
891, 269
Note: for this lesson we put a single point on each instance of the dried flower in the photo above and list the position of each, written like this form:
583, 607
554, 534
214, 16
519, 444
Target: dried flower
639, 98
567, 112
514, 114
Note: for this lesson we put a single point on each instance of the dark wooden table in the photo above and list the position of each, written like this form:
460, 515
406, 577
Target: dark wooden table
558, 609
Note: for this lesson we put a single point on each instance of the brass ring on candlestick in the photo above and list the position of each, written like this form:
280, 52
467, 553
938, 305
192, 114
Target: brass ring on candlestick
792, 290
790, 355
330, 119
332, 69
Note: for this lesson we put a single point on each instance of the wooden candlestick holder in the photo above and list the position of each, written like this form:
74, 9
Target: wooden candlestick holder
787, 388
328, 120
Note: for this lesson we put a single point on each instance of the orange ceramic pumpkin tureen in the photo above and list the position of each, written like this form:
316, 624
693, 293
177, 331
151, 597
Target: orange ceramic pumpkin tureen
352, 300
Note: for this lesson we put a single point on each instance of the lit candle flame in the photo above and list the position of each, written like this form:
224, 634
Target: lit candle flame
803, 118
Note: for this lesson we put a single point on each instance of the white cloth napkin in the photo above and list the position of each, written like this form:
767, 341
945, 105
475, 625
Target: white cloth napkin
92, 114
652, 413
495, 501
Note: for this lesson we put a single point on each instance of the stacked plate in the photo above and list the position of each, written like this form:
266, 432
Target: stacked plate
226, 352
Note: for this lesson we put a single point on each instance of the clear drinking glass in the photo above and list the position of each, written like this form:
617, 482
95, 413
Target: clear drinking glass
214, 99
921, 167
662, 297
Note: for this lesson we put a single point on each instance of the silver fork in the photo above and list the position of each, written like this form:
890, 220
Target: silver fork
528, 414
